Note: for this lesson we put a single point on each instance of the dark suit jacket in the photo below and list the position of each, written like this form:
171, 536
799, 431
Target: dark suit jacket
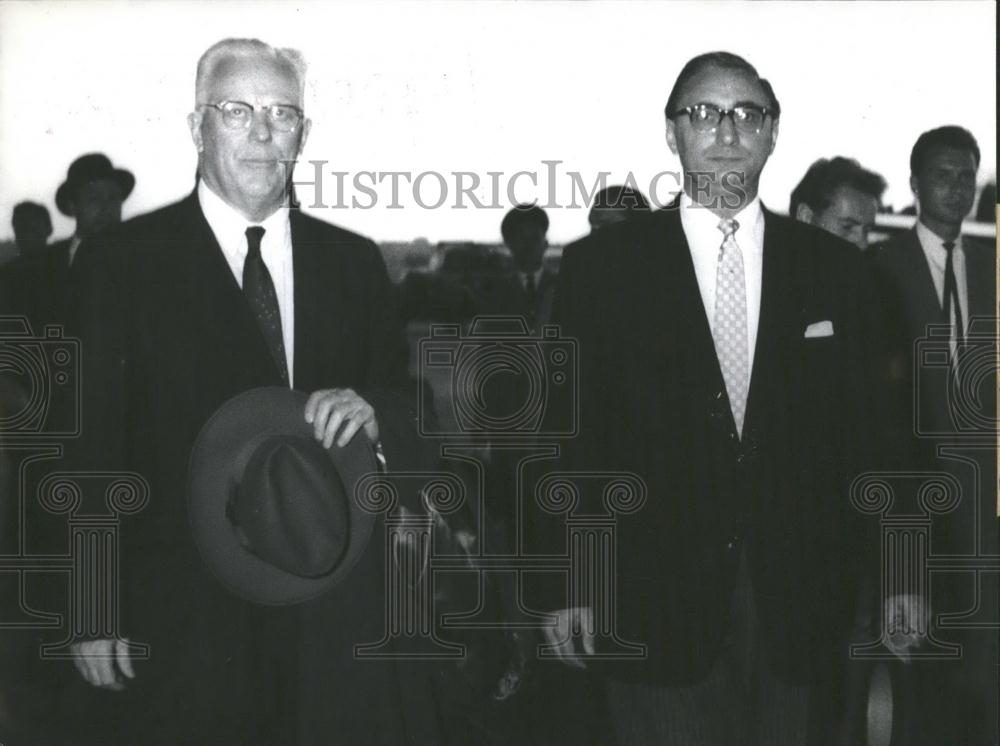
167, 338
912, 306
654, 403
933, 417
507, 296
925, 393
38, 285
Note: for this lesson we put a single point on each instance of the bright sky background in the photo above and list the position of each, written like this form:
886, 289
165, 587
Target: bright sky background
501, 86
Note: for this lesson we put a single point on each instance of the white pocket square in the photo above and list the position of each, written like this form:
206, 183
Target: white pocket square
819, 329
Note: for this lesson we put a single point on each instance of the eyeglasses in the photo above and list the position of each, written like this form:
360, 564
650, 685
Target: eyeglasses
237, 115
747, 118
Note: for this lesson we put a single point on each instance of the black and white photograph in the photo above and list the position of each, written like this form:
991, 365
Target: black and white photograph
501, 373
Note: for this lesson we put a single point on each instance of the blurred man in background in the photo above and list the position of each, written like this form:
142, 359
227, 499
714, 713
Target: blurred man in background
40, 284
839, 196
32, 227
615, 204
93, 194
527, 291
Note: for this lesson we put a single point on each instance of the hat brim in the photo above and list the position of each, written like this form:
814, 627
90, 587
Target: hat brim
64, 194
221, 453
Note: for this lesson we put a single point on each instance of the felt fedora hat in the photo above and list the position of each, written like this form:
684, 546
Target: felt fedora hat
273, 513
87, 168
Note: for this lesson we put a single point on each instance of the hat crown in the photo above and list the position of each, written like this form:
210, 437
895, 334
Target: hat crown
86, 166
290, 507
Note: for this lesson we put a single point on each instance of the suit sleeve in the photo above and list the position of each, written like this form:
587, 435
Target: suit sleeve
573, 310
389, 388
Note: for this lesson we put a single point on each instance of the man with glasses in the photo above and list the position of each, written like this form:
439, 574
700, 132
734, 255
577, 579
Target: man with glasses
723, 349
187, 306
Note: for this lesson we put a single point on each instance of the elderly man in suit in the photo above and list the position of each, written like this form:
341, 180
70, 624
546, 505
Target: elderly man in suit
228, 290
724, 355
932, 276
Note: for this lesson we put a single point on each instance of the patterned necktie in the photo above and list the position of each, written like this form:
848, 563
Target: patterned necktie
730, 329
259, 290
950, 300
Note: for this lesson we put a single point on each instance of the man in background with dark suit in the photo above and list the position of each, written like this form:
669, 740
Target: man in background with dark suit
527, 291
32, 227
183, 308
92, 194
40, 282
724, 358
932, 276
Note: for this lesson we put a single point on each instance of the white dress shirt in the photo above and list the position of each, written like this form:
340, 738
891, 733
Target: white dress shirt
523, 277
701, 228
937, 257
74, 244
230, 228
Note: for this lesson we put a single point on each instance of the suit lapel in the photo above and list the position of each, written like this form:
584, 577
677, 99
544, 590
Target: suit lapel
306, 274
921, 280
672, 287
779, 318
980, 277
219, 293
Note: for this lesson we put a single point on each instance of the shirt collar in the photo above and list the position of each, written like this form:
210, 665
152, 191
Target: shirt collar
537, 275
229, 226
701, 225
933, 243
74, 244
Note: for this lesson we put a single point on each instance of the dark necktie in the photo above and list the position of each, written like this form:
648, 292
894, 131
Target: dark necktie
950, 300
531, 290
259, 290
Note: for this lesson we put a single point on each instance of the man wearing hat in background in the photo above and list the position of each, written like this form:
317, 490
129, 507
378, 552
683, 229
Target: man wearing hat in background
93, 194
39, 283
184, 308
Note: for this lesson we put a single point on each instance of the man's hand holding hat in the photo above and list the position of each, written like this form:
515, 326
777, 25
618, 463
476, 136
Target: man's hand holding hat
328, 409
253, 559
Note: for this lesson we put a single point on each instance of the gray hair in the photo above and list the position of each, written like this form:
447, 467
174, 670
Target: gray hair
228, 49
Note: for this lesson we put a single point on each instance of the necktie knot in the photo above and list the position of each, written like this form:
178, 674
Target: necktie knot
949, 247
254, 235
728, 226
